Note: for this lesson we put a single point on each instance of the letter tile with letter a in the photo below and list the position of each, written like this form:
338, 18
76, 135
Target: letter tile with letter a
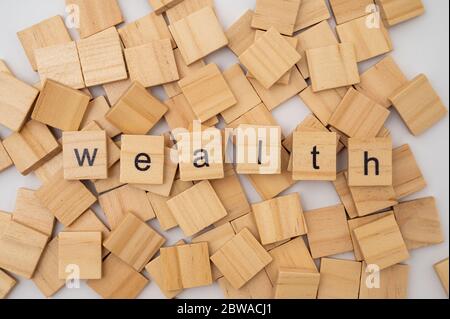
142, 159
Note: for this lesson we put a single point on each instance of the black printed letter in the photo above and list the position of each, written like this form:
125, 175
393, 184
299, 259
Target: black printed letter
367, 160
202, 160
142, 158
86, 156
314, 153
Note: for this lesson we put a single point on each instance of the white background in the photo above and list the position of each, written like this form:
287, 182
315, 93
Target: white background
420, 46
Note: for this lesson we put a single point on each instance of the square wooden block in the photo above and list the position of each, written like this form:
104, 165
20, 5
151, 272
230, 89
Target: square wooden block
198, 34
219, 97
16, 101
332, 66
7, 283
137, 111
419, 222
119, 280
186, 266
45, 172
20, 249
381, 81
200, 155
197, 208
259, 115
441, 269
370, 161
67, 200
51, 31
31, 147
5, 160
240, 34
314, 156
393, 282
278, 58
48, 106
358, 116
311, 12
216, 237
134, 242
328, 232
185, 8
372, 199
60, 63
347, 10
259, 287
381, 242
279, 219
113, 150
258, 149
407, 177
85, 155
101, 58
396, 11
152, 64
241, 258
339, 279
96, 111
418, 105
296, 284
280, 15
142, 159
160, 6
115, 90
369, 40
80, 253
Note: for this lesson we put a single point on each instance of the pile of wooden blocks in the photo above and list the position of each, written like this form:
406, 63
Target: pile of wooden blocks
288, 49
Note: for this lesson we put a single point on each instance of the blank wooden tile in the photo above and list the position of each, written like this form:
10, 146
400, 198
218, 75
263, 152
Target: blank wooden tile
296, 284
259, 287
241, 258
418, 105
85, 155
119, 280
347, 10
278, 59
96, 111
342, 189
396, 11
240, 34
393, 283
332, 66
197, 208
280, 15
259, 115
339, 279
134, 242
358, 116
31, 147
96, 15
67, 200
47, 109
102, 58
381, 242
310, 13
115, 90
160, 6
152, 64
279, 219
16, 101
369, 42
20, 249
381, 81
45, 172
186, 266
216, 237
328, 232
144, 30
441, 269
82, 249
185, 8
372, 199
112, 182
137, 111
198, 34
314, 156
5, 160
7, 283
51, 31
419, 222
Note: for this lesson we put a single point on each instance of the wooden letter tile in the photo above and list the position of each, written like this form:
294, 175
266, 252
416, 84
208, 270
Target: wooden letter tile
339, 279
310, 13
7, 283
441, 269
396, 11
240, 34
393, 282
371, 199
347, 10
296, 284
96, 111
187, 7
113, 150
259, 287
280, 15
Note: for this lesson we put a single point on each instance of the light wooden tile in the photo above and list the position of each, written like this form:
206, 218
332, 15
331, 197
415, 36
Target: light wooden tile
7, 283
259, 287
96, 111
381, 242
160, 6
358, 116
137, 111
45, 172
332, 66
441, 269
259, 115
419, 222
198, 34
280, 15
5, 218
339, 279
296, 284
31, 147
119, 280
418, 105
197, 208
372, 199
152, 64
187, 7
134, 242
51, 31
369, 41
5, 160
279, 219
16, 101
240, 34
381, 81
342, 189
115, 90
394, 12
112, 182
311, 12
347, 10
328, 232
102, 58
393, 283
